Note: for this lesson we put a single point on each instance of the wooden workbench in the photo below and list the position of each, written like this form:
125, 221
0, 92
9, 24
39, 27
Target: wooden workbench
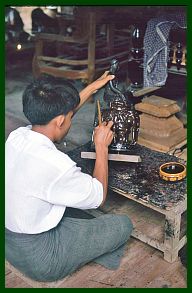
156, 208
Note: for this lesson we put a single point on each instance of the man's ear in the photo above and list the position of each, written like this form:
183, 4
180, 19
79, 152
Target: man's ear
60, 120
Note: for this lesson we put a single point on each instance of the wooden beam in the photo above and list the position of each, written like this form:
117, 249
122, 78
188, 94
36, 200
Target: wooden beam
64, 72
113, 157
60, 38
62, 60
145, 91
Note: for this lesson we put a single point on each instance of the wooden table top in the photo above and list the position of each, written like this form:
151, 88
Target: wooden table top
140, 180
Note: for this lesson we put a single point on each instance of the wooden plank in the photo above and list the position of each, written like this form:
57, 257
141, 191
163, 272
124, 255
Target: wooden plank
132, 197
177, 208
138, 268
113, 157
145, 91
62, 60
173, 276
60, 38
61, 72
79, 62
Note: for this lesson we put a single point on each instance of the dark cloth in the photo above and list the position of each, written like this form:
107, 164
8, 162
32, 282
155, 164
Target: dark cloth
14, 26
13, 19
42, 23
75, 241
156, 47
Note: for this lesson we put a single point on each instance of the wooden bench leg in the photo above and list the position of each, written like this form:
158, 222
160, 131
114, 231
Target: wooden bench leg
172, 235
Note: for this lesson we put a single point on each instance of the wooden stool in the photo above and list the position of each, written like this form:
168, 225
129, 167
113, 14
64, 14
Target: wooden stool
86, 55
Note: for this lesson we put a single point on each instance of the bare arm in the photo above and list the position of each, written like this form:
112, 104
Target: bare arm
102, 138
92, 88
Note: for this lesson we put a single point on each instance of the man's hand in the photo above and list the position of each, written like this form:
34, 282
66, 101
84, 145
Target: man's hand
101, 81
103, 135
93, 88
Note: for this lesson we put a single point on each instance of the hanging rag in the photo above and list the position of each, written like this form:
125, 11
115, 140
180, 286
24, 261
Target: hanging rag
156, 47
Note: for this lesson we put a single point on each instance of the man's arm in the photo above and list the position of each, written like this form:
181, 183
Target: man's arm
92, 88
102, 139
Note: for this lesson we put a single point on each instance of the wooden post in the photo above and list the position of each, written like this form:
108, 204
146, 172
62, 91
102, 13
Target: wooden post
91, 46
172, 237
110, 38
35, 62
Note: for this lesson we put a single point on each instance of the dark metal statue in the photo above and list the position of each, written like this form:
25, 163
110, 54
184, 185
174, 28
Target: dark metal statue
120, 109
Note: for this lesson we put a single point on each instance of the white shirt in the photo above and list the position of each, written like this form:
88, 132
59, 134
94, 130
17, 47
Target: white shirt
41, 182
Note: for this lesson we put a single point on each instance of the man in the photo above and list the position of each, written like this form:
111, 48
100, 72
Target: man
43, 239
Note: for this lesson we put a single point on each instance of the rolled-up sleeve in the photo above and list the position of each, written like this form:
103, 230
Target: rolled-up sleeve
76, 189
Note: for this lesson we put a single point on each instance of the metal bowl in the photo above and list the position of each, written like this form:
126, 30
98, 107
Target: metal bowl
172, 171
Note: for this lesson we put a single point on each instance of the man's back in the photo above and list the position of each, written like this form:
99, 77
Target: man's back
29, 172
40, 182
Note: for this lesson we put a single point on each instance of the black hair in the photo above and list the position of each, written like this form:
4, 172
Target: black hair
48, 97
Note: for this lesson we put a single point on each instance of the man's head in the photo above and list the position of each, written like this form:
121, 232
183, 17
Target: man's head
49, 99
